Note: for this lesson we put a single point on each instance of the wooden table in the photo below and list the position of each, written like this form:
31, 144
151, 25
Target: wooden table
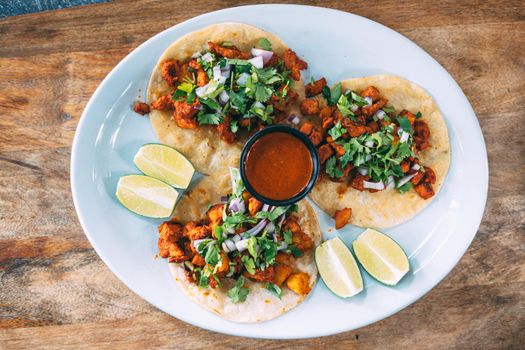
56, 292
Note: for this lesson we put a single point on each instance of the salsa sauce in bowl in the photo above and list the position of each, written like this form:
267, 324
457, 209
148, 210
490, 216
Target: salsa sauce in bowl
279, 165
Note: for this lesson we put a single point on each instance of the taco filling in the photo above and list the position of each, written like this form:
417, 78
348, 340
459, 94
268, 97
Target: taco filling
369, 144
241, 238
230, 89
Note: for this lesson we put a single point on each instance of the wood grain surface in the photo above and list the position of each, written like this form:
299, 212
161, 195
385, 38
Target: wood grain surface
55, 292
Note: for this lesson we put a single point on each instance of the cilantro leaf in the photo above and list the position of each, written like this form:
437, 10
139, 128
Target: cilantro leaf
332, 169
252, 247
234, 127
336, 131
265, 44
274, 289
295, 251
238, 293
204, 281
335, 94
212, 256
360, 101
271, 215
209, 118
405, 188
388, 109
186, 87
344, 106
287, 235
249, 264
418, 115
405, 124
211, 103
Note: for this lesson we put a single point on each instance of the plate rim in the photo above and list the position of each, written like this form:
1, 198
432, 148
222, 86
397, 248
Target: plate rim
452, 263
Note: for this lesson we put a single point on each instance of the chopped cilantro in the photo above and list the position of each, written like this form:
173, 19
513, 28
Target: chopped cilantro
388, 109
405, 124
332, 96
336, 131
344, 106
238, 62
209, 118
234, 127
265, 44
178, 95
287, 235
271, 215
249, 264
332, 169
418, 115
186, 87
360, 101
212, 256
274, 289
406, 187
252, 247
204, 281
295, 251
211, 103
238, 293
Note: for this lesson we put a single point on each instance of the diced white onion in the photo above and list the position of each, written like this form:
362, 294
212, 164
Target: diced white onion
257, 62
242, 245
265, 207
207, 57
216, 72
390, 183
258, 104
230, 230
228, 246
368, 101
236, 238
374, 185
242, 79
266, 55
237, 205
405, 179
404, 137
225, 72
354, 107
362, 171
294, 119
283, 246
223, 97
416, 167
270, 227
380, 114
369, 144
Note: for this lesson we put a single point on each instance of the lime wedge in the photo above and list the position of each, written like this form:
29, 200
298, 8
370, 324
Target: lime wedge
164, 163
381, 256
338, 268
146, 196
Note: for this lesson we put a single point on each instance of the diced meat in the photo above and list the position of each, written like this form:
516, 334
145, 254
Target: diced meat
339, 150
405, 166
302, 241
202, 77
185, 113
267, 275
299, 282
324, 152
347, 169
141, 108
357, 182
315, 88
171, 243
163, 103
373, 127
291, 224
371, 92
282, 272
224, 130
326, 112
224, 267
283, 97
342, 217
424, 189
309, 107
327, 123
228, 52
254, 206
371, 110
198, 260
354, 129
194, 231
306, 128
421, 134
283, 258
170, 71
417, 178
273, 61
294, 64
215, 216
430, 176
316, 136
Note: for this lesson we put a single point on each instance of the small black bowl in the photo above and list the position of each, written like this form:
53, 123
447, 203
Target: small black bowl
313, 153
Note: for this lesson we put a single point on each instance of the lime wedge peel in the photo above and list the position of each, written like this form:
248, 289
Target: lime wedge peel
146, 196
381, 257
164, 163
338, 268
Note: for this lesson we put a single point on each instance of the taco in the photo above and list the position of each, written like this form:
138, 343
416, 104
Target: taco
241, 259
384, 148
214, 86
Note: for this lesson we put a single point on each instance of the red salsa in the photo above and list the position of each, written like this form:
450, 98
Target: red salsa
278, 166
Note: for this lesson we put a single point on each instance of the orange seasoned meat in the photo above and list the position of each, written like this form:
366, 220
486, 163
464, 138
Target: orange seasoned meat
284, 259
373, 127
424, 189
202, 77
283, 97
340, 150
327, 123
215, 216
430, 176
141, 108
273, 61
224, 266
228, 52
171, 243
316, 136
254, 206
421, 134
163, 103
326, 112
171, 70
306, 128
354, 129
315, 88
268, 275
185, 113
417, 178
302, 241
324, 152
224, 130
282, 272
291, 224
371, 110
405, 166
357, 182
194, 231
198, 260
371, 92
409, 115
309, 107
294, 64
299, 282
342, 217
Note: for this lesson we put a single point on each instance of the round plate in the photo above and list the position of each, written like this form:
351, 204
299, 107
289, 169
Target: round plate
338, 46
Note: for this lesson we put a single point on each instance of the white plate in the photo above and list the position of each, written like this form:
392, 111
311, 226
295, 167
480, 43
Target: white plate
336, 45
